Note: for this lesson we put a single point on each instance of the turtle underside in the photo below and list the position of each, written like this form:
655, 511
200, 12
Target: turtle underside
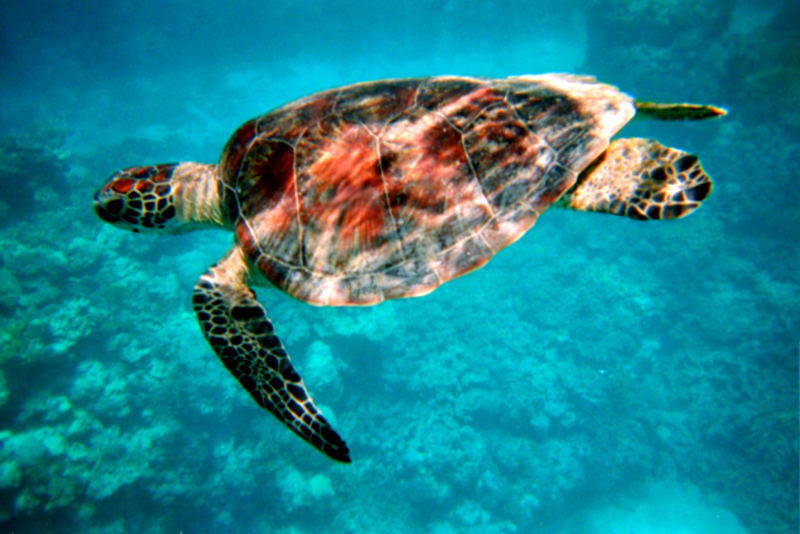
389, 189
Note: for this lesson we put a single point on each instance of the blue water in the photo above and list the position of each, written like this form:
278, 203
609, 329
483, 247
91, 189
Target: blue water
601, 375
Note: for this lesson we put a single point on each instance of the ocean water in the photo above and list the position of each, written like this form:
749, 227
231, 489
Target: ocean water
601, 375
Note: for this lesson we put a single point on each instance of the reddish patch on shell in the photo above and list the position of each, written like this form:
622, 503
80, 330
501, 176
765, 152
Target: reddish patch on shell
442, 144
276, 272
347, 189
438, 158
245, 237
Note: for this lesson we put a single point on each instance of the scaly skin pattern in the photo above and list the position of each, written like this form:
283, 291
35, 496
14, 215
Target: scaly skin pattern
389, 189
138, 198
641, 179
166, 198
237, 327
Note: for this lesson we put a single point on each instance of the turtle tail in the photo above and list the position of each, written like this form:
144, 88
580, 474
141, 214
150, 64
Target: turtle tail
642, 179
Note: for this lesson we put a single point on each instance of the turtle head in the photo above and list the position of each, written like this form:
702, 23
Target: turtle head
170, 198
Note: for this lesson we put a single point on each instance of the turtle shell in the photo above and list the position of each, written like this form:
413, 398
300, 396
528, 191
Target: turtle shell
388, 189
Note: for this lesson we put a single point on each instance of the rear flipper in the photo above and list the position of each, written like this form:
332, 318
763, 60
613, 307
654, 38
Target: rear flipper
642, 179
678, 112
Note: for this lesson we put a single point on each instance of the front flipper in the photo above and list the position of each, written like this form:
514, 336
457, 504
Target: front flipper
240, 332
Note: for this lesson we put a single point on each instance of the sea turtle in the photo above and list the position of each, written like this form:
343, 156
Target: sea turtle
388, 189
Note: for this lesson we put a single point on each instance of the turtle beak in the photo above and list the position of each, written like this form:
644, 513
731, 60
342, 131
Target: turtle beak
108, 207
